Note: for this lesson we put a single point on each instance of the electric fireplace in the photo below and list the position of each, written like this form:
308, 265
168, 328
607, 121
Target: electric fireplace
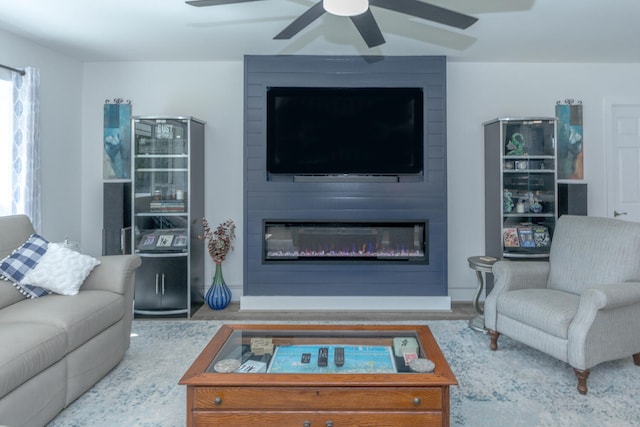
349, 241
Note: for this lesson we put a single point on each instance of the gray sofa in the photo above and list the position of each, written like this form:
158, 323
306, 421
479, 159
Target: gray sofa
54, 348
582, 306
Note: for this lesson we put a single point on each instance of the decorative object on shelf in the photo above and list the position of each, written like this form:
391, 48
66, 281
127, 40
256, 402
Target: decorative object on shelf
522, 165
570, 144
507, 202
516, 145
116, 139
530, 203
219, 243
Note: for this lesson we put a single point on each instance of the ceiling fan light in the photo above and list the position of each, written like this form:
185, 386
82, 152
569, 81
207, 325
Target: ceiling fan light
345, 7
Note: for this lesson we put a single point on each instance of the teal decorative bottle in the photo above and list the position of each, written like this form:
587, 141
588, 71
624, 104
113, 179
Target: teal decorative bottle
219, 295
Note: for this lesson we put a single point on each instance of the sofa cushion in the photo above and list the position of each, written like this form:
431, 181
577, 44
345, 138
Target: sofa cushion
549, 310
82, 316
27, 349
9, 294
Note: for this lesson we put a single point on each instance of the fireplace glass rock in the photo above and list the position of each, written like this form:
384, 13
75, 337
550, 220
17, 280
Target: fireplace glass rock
345, 241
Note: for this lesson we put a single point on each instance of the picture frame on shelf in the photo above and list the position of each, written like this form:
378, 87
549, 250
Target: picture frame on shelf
164, 240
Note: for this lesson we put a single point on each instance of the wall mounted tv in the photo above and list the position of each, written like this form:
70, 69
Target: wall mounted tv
345, 131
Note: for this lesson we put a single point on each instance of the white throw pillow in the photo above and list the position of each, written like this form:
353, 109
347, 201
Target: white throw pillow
61, 270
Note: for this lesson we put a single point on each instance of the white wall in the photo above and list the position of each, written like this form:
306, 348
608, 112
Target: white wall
60, 118
210, 91
478, 92
72, 104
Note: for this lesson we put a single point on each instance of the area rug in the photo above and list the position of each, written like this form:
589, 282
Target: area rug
515, 386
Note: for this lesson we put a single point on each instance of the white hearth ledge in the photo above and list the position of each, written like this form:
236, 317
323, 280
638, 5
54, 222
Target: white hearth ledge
341, 303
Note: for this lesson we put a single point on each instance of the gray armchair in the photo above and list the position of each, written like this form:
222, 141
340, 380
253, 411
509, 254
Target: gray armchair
582, 306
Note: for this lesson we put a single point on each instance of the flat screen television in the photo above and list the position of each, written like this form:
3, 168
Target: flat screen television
345, 131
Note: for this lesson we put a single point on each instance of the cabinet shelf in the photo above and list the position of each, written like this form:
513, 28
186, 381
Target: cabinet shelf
160, 213
529, 214
160, 156
162, 170
532, 157
162, 255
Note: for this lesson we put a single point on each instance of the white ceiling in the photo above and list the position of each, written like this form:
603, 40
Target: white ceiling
170, 30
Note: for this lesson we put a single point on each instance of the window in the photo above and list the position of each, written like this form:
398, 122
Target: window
6, 132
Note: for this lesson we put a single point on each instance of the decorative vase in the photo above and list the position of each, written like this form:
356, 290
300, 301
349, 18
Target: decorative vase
219, 295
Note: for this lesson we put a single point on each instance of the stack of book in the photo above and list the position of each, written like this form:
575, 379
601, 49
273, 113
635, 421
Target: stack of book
167, 206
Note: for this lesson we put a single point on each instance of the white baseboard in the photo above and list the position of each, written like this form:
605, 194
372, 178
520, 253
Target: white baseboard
337, 303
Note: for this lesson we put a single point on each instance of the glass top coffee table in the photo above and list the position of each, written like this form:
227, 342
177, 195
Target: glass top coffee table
319, 375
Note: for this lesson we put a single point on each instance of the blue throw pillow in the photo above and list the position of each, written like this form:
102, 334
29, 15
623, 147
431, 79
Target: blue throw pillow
24, 259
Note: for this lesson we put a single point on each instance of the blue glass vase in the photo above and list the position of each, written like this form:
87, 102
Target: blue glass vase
219, 295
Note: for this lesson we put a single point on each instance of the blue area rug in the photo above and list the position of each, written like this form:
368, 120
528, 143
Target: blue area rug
515, 386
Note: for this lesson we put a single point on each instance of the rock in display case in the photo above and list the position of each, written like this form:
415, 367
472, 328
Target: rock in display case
520, 186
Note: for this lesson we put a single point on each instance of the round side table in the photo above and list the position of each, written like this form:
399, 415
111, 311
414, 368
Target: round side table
481, 265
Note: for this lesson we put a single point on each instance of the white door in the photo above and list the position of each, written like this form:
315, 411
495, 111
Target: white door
624, 163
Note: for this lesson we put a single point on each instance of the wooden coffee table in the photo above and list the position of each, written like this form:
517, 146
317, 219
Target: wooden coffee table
289, 387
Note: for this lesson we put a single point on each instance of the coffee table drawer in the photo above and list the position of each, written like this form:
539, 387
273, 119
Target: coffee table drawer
327, 419
320, 398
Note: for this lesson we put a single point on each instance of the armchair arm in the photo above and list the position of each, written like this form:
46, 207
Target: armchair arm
114, 273
512, 275
604, 327
612, 296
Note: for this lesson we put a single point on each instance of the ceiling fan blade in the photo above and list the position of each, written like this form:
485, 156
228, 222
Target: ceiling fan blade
427, 11
201, 3
313, 13
368, 28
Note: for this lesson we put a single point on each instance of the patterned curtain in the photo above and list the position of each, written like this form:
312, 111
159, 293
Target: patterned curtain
26, 146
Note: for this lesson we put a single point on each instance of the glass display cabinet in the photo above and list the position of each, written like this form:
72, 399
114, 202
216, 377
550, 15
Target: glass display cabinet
167, 209
521, 201
307, 375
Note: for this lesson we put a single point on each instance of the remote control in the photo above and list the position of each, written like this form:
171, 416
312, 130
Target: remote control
338, 356
323, 356
306, 357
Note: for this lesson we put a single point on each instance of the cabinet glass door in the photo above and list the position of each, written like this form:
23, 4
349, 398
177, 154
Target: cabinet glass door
529, 186
161, 167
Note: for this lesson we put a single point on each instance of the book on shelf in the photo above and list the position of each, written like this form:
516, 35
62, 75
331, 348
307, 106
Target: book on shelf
541, 236
510, 238
525, 235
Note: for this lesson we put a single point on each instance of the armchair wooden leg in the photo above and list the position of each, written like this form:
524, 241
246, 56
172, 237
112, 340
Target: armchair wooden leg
582, 379
494, 339
636, 359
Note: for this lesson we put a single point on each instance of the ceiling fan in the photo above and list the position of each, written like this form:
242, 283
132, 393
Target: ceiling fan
361, 16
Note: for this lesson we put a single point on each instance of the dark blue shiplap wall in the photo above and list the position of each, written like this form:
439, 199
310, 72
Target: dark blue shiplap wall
410, 199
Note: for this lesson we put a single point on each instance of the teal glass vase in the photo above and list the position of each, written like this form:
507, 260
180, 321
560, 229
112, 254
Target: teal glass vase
219, 295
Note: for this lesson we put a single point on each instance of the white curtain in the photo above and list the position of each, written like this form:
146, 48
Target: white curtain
26, 197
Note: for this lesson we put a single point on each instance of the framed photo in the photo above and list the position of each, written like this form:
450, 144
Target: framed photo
180, 240
148, 241
164, 240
